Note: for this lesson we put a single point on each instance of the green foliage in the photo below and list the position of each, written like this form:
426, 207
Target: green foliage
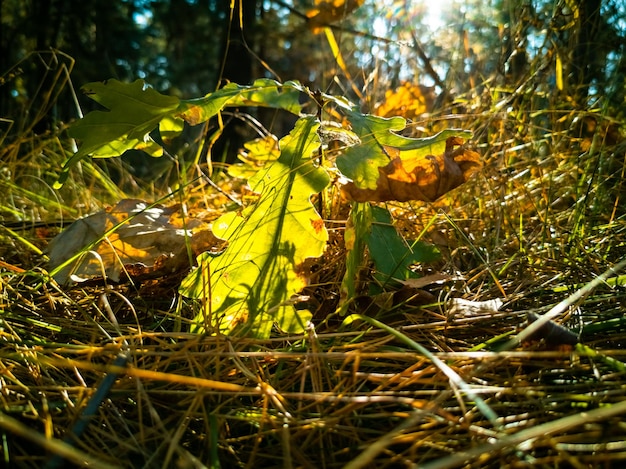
355, 242
135, 110
390, 252
262, 93
250, 286
372, 227
361, 162
123, 127
252, 282
257, 153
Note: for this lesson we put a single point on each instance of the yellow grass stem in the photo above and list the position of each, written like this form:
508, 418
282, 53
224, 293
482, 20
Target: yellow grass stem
557, 310
150, 375
525, 438
334, 47
58, 447
452, 375
24, 241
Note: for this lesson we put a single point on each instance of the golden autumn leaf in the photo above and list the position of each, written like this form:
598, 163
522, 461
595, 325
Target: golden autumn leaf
327, 12
424, 179
408, 100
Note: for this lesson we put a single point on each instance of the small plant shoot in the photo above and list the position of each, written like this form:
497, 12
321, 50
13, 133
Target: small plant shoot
249, 287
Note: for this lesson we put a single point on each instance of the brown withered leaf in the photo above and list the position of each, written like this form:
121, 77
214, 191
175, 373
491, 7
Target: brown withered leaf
131, 239
424, 179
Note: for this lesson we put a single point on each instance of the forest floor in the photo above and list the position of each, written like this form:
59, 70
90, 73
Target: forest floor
107, 374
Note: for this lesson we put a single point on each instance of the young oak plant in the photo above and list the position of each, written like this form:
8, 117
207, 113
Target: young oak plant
249, 287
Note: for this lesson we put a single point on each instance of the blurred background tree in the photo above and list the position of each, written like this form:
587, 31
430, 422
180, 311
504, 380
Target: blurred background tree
455, 51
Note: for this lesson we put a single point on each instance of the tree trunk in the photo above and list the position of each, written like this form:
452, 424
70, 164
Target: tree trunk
237, 63
589, 55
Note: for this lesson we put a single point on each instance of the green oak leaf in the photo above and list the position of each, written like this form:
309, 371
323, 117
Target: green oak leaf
134, 110
262, 93
361, 162
390, 252
249, 286
255, 155
170, 127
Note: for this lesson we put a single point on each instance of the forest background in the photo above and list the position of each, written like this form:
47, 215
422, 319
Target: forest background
187, 49
542, 87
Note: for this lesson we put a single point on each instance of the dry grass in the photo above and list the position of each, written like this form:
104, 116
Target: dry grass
107, 375
321, 400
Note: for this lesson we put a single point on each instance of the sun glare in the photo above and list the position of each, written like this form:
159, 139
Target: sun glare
435, 12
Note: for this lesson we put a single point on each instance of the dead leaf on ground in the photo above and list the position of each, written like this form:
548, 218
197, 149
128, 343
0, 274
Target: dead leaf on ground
148, 241
424, 179
462, 308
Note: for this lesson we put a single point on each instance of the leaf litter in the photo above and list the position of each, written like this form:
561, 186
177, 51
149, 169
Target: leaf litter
129, 240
